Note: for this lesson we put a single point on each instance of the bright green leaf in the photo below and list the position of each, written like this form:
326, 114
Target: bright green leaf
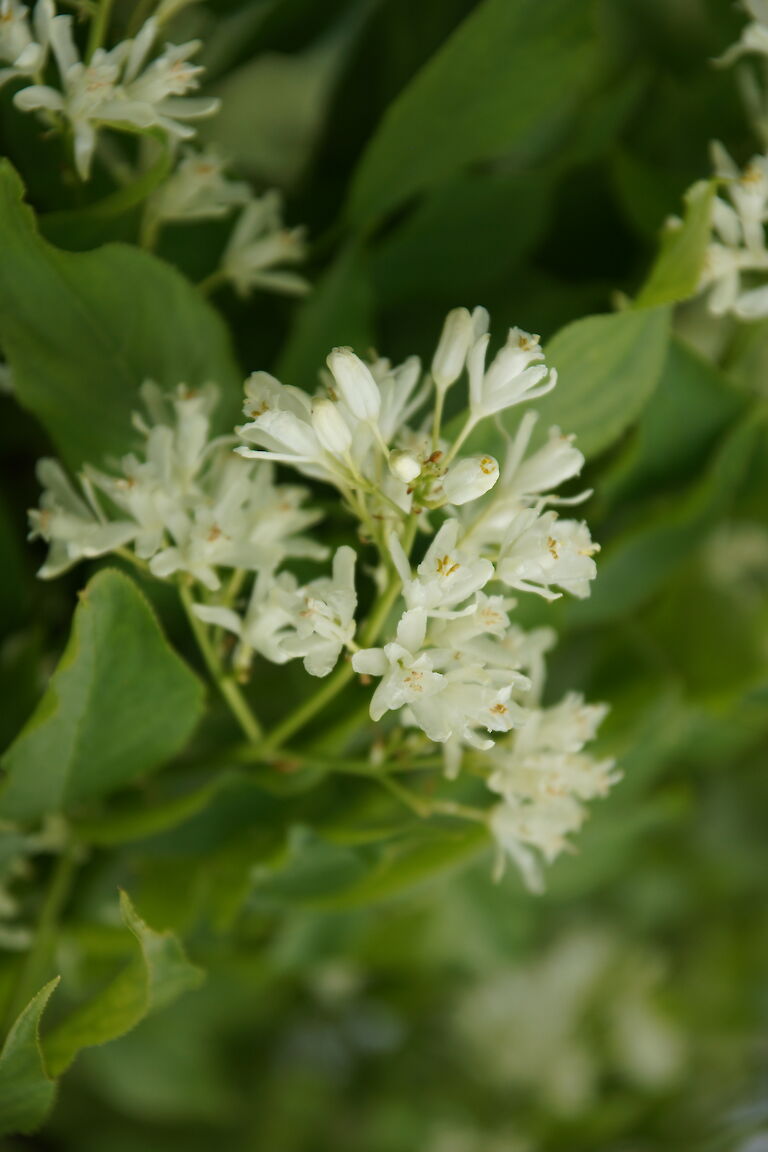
160, 973
26, 1090
78, 229
120, 703
83, 330
677, 271
608, 367
500, 83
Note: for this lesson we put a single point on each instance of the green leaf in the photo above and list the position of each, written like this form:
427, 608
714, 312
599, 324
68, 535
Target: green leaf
608, 367
493, 220
26, 1090
339, 312
160, 973
137, 822
632, 567
677, 271
120, 703
78, 229
500, 83
319, 872
83, 330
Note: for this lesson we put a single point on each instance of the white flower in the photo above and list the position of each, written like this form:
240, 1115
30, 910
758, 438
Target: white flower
540, 551
512, 377
23, 47
737, 248
754, 37
396, 391
325, 623
186, 503
469, 479
447, 575
111, 89
285, 622
546, 469
452, 349
73, 528
198, 190
163, 83
259, 245
543, 775
404, 466
356, 385
408, 675
282, 424
331, 429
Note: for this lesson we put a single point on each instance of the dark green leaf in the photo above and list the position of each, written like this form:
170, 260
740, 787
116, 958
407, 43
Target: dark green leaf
82, 331
501, 82
463, 236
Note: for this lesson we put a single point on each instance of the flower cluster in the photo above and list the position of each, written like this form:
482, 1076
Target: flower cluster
735, 269
455, 666
23, 41
184, 504
123, 87
546, 1028
456, 534
259, 245
737, 255
543, 776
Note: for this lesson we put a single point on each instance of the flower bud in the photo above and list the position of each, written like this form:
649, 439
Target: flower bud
451, 353
331, 428
405, 466
357, 387
470, 479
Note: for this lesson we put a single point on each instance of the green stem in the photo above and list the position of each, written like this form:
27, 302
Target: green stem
225, 683
99, 25
469, 426
140, 15
36, 965
215, 280
149, 230
424, 807
346, 767
302, 715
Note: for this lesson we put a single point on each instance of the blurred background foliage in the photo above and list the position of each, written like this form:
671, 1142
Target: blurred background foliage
370, 991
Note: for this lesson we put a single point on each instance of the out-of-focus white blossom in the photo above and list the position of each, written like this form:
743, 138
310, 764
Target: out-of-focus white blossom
735, 272
185, 503
24, 37
754, 37
284, 621
260, 247
198, 190
120, 87
543, 776
548, 1029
